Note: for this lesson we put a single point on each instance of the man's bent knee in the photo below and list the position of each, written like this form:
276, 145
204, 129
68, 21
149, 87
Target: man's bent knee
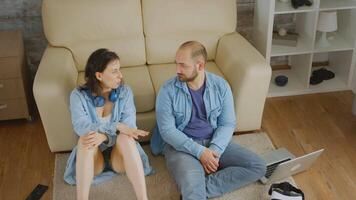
259, 167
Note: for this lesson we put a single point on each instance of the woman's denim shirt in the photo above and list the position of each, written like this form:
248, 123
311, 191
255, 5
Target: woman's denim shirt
85, 119
174, 110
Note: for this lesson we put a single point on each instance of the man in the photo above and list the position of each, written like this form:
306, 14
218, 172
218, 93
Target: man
196, 120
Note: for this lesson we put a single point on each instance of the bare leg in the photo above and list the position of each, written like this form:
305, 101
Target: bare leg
117, 161
89, 162
125, 151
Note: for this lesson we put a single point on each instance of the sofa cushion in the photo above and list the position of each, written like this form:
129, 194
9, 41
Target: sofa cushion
163, 72
167, 24
162, 49
138, 78
84, 26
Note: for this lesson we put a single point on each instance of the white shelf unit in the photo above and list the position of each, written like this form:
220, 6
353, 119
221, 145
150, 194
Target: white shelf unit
285, 8
339, 63
341, 54
298, 76
305, 28
326, 5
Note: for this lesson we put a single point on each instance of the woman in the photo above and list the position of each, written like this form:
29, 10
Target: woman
104, 117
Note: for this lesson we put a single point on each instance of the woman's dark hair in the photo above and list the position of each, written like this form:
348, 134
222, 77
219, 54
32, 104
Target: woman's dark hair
97, 62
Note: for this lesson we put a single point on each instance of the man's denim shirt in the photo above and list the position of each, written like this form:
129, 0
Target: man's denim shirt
85, 119
174, 109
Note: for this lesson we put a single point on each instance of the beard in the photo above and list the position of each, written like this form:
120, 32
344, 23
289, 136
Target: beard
191, 78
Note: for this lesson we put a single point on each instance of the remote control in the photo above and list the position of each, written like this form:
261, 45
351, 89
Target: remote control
37, 193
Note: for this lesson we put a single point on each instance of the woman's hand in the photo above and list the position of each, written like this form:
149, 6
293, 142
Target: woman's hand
132, 132
93, 139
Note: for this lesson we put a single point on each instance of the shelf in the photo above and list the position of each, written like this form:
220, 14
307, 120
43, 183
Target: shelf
337, 4
286, 7
301, 48
340, 65
334, 84
294, 85
331, 85
305, 27
336, 44
340, 56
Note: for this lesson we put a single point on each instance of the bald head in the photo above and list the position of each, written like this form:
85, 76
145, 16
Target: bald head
197, 50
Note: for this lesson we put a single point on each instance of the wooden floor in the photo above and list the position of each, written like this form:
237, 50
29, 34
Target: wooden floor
25, 159
307, 123
301, 123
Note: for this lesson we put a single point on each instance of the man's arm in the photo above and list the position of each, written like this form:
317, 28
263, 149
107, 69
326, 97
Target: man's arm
168, 130
226, 123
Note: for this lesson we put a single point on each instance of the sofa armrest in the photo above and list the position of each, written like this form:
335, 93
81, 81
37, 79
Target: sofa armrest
248, 75
56, 77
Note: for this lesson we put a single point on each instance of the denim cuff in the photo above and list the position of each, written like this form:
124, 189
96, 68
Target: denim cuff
199, 151
111, 140
215, 148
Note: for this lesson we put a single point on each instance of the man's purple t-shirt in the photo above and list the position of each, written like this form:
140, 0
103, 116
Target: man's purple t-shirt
198, 126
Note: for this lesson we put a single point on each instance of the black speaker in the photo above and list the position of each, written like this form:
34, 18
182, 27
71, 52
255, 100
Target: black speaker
281, 80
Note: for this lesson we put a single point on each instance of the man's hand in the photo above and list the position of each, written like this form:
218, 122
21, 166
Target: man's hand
93, 139
132, 132
210, 161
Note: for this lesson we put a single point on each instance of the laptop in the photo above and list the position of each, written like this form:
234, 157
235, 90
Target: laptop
281, 164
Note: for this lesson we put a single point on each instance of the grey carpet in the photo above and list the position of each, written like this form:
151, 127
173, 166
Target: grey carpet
161, 186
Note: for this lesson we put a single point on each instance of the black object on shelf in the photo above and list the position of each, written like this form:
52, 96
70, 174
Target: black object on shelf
281, 80
298, 3
321, 75
324, 73
314, 80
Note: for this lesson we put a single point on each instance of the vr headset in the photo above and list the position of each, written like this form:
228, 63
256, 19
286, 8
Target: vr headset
285, 191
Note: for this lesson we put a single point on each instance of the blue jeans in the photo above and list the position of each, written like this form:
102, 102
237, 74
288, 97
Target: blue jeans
237, 167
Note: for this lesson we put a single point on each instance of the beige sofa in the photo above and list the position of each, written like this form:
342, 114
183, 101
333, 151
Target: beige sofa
146, 35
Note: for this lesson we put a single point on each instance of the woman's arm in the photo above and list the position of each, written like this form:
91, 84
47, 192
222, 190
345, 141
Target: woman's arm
82, 123
127, 122
128, 115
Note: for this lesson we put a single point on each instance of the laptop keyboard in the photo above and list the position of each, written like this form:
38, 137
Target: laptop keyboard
272, 167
